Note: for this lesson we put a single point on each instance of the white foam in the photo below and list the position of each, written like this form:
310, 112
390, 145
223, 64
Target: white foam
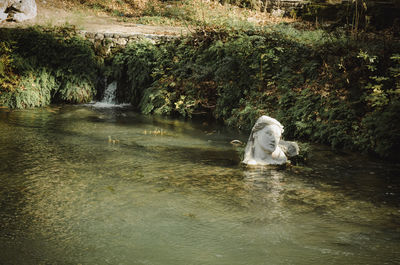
109, 105
108, 100
110, 93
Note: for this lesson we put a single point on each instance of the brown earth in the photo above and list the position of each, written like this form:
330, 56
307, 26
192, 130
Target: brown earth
50, 15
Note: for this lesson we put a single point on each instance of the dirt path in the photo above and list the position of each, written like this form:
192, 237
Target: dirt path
49, 15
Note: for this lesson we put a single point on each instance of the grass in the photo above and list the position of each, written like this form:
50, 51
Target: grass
190, 13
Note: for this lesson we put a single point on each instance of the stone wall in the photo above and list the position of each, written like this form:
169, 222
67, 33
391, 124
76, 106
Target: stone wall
104, 42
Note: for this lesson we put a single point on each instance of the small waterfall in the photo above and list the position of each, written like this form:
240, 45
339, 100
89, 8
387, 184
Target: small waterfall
110, 93
109, 98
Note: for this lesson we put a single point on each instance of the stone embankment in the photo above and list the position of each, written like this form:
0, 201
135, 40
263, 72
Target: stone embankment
104, 42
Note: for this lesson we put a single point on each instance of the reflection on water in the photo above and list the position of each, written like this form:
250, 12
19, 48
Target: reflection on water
80, 185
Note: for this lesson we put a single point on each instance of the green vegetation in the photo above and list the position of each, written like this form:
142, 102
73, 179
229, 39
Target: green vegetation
357, 15
38, 66
186, 13
340, 88
324, 87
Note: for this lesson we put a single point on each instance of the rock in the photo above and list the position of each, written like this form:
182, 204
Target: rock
3, 7
121, 41
289, 148
108, 35
90, 35
99, 36
81, 33
20, 10
277, 13
3, 16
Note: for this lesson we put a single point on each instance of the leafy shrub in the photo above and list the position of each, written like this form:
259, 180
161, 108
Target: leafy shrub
323, 87
133, 69
8, 77
48, 65
34, 90
317, 84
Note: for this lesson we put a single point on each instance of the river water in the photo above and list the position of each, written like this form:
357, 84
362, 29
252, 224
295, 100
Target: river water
86, 185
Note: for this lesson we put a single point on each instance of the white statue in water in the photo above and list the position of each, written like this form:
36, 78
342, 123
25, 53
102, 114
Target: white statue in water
264, 146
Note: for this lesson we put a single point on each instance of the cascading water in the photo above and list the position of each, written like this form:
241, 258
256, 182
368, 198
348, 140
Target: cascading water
109, 93
109, 97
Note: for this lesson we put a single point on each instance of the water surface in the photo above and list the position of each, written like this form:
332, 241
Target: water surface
86, 185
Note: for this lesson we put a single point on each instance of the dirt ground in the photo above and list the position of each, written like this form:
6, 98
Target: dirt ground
50, 15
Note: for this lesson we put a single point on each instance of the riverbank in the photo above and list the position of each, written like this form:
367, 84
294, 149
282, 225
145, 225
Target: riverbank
326, 87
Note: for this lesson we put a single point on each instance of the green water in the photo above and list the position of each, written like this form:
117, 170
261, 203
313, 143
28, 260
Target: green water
80, 185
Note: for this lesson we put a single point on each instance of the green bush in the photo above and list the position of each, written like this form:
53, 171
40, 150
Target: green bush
133, 70
8, 78
319, 85
324, 87
47, 65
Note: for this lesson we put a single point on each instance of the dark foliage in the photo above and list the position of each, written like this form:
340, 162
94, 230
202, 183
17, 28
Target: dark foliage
327, 88
46, 65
